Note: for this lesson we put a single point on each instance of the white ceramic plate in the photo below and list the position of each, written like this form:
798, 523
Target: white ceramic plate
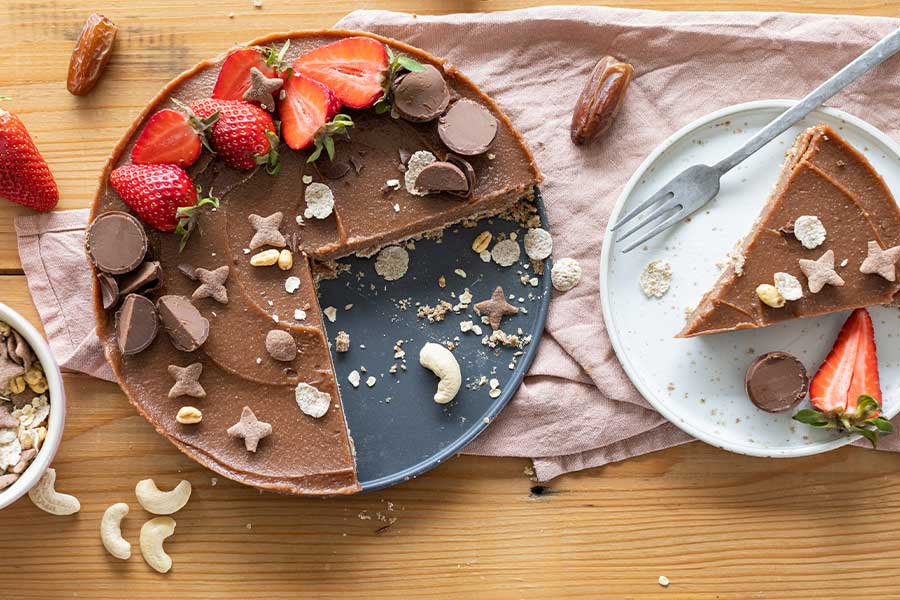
698, 383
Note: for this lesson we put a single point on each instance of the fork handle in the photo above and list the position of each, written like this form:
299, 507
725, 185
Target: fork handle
874, 56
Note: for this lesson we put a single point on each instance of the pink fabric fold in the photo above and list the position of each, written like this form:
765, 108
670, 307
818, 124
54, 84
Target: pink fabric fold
576, 408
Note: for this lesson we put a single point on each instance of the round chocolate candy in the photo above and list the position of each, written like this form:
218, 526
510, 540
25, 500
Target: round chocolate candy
116, 242
441, 176
468, 128
421, 96
776, 382
136, 324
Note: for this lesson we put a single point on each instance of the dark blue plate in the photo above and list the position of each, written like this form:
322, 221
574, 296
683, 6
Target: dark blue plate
398, 430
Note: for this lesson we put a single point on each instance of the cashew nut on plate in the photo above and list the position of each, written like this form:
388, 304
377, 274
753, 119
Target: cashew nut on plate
46, 498
443, 364
162, 503
153, 532
111, 531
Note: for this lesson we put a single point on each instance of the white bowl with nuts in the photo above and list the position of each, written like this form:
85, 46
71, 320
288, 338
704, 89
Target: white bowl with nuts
39, 431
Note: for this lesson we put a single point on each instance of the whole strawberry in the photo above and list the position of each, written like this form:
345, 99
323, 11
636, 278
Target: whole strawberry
25, 177
244, 135
163, 196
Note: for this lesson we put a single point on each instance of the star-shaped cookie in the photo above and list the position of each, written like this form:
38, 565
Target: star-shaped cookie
882, 262
820, 272
496, 308
250, 429
212, 284
262, 89
267, 233
187, 381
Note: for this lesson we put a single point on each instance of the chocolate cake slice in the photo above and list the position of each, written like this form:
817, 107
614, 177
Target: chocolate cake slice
308, 448
824, 179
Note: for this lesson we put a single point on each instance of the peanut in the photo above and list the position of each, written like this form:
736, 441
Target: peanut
285, 260
266, 258
482, 242
17, 385
770, 295
189, 415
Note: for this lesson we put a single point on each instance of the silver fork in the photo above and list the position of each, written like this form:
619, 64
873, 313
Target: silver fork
697, 185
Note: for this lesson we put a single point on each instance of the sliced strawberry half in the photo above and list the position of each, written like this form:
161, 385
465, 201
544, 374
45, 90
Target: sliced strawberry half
234, 76
305, 109
171, 137
846, 391
353, 68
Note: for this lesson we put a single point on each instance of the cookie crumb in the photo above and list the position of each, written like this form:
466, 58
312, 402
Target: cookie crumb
809, 231
506, 252
565, 274
331, 313
655, 278
392, 263
319, 201
342, 341
788, 286
538, 244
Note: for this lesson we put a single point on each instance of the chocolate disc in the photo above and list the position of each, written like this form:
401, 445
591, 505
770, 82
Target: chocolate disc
109, 290
187, 328
136, 324
467, 168
442, 176
776, 381
116, 242
468, 128
421, 96
147, 277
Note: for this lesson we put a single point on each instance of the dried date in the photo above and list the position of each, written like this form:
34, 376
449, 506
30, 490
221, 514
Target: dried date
91, 53
600, 100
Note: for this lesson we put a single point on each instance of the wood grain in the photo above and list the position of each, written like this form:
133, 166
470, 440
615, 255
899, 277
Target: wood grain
718, 525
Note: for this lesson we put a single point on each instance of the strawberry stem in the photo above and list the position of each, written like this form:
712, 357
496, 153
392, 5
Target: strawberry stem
200, 126
396, 64
864, 420
276, 59
325, 137
270, 158
187, 217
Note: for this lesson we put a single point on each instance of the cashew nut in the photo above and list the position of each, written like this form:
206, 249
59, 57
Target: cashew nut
46, 498
153, 532
442, 363
111, 531
162, 503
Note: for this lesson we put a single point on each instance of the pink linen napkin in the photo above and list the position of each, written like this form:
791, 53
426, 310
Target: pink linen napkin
576, 408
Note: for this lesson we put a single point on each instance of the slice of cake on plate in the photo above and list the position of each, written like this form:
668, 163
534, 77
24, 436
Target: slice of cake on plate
826, 241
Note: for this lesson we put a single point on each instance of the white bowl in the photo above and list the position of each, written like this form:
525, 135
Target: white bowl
57, 416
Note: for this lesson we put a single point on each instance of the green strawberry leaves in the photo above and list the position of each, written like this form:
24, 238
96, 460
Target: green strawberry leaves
396, 64
270, 158
187, 217
863, 420
276, 60
325, 137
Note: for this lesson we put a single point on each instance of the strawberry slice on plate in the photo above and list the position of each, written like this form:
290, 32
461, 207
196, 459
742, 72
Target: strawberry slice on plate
353, 68
846, 392
306, 108
171, 137
234, 76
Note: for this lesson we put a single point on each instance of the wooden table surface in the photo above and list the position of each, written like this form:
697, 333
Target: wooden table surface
718, 525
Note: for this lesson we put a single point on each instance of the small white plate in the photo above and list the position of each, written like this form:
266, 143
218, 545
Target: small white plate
698, 383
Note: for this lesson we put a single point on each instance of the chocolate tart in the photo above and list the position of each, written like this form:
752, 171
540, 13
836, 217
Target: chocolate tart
303, 455
825, 177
